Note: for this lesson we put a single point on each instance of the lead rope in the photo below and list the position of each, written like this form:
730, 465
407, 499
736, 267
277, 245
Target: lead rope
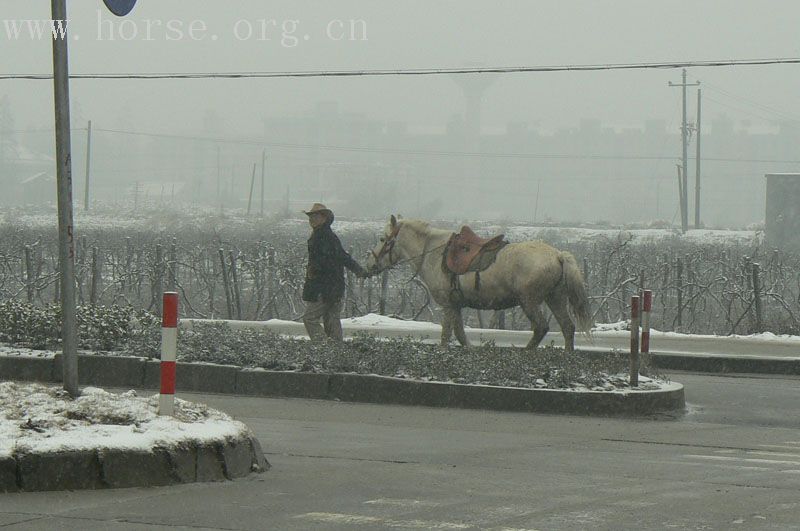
425, 251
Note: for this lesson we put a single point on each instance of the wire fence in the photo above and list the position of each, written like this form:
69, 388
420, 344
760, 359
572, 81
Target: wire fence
258, 273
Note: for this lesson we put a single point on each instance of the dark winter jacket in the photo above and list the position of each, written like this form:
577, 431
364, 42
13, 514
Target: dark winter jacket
326, 262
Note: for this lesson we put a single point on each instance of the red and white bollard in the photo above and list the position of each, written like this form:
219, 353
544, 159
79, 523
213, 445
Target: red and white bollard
634, 356
169, 348
647, 303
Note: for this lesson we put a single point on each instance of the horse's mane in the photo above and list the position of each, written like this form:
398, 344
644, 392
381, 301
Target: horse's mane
416, 225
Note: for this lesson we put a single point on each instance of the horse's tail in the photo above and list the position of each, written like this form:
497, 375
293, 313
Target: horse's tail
576, 293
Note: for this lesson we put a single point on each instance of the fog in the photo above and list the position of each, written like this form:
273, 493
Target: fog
536, 147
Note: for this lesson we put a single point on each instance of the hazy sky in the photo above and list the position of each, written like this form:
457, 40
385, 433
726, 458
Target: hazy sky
408, 34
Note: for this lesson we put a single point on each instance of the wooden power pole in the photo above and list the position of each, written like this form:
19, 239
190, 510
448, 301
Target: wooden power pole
697, 168
252, 182
263, 171
88, 166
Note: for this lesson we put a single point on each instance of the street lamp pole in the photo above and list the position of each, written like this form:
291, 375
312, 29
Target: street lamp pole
66, 243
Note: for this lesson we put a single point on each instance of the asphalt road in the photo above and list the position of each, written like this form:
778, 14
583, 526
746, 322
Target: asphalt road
731, 462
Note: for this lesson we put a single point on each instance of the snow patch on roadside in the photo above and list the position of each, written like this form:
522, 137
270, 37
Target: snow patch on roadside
6, 350
377, 321
39, 418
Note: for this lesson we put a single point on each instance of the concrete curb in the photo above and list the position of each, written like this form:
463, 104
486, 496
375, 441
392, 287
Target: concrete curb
727, 364
226, 379
118, 468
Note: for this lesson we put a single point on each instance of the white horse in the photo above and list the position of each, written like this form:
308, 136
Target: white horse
524, 274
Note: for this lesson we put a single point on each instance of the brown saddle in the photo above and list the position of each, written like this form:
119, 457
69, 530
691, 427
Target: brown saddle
466, 251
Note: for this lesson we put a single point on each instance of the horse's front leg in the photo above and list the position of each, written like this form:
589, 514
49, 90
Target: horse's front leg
447, 326
458, 327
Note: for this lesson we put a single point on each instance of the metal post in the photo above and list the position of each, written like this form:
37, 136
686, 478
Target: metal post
697, 169
634, 355
757, 298
88, 166
169, 348
647, 305
66, 243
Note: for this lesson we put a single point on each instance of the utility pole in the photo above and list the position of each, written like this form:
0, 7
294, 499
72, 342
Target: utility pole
263, 170
219, 181
252, 182
66, 242
88, 166
697, 169
685, 144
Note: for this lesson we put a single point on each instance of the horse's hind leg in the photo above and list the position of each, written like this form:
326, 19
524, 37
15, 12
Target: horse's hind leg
557, 302
453, 323
458, 328
538, 323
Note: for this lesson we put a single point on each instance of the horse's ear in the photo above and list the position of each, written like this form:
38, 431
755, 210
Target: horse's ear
393, 220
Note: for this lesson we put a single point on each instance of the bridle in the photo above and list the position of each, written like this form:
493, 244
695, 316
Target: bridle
387, 247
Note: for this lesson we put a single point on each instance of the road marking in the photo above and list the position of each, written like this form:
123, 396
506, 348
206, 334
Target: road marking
356, 519
399, 502
780, 446
777, 454
374, 521
748, 460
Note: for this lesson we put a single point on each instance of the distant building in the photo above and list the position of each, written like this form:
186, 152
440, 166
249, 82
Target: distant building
37, 188
23, 170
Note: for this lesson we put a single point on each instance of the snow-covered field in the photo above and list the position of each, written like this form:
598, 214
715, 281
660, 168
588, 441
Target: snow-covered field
39, 418
514, 232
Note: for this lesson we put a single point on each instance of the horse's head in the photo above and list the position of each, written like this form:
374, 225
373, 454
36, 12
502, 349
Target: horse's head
384, 255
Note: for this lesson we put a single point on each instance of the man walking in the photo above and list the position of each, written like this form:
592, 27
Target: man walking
324, 286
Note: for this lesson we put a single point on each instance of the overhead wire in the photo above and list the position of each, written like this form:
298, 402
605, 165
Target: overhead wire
398, 151
420, 71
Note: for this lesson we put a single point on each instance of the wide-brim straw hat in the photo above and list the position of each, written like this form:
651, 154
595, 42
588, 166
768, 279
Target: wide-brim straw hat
319, 208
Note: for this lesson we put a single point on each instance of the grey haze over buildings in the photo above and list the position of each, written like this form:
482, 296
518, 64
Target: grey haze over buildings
598, 145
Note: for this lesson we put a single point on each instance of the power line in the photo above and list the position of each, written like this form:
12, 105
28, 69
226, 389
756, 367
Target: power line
420, 71
446, 153
752, 102
24, 131
752, 113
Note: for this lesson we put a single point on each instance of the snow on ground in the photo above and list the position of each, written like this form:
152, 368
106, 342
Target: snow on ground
373, 320
620, 328
637, 236
7, 350
40, 418
513, 232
